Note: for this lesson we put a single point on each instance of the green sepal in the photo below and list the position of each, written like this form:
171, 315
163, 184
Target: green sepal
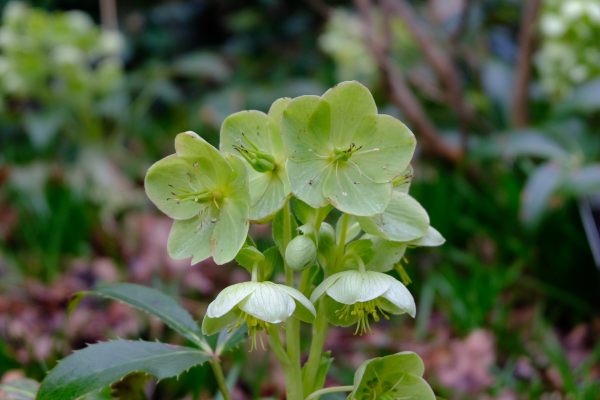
397, 376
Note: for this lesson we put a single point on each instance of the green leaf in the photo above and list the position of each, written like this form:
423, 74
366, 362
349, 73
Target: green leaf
395, 377
101, 364
155, 303
403, 220
540, 187
19, 389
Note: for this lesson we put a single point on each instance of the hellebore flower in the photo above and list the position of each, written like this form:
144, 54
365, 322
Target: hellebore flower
340, 151
206, 193
258, 304
256, 137
354, 297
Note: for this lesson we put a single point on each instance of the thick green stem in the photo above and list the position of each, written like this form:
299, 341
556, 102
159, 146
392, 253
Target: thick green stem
293, 375
339, 254
218, 371
334, 389
319, 333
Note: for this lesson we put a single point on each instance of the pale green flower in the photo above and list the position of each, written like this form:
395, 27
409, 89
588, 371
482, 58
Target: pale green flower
258, 304
206, 194
256, 137
342, 152
355, 297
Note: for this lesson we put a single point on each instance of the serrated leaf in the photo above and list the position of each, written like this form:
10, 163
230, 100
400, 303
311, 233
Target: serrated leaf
397, 376
155, 303
19, 389
101, 364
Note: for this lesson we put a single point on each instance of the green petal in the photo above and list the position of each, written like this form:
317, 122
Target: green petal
275, 124
385, 253
230, 231
230, 297
191, 237
211, 326
432, 238
351, 192
403, 220
387, 147
401, 298
355, 286
269, 303
307, 179
246, 128
189, 145
350, 102
267, 194
161, 179
305, 128
305, 311
322, 288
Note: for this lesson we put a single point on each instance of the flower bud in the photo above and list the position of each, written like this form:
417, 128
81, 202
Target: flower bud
300, 253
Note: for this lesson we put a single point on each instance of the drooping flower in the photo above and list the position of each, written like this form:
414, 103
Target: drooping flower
258, 305
256, 137
356, 297
206, 193
342, 152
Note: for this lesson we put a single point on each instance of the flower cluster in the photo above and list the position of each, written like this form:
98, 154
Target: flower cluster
293, 166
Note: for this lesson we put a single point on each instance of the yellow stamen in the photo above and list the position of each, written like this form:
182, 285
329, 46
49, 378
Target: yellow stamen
255, 328
362, 311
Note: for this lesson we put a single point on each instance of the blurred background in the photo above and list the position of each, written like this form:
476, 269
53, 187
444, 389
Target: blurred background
503, 96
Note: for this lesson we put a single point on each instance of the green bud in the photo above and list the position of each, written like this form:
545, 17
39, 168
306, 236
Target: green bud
300, 253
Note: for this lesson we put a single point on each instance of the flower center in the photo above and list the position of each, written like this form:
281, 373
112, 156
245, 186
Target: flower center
259, 160
255, 328
362, 311
202, 196
344, 154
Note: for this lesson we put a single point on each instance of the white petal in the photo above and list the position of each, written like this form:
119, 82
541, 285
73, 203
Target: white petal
400, 296
431, 239
269, 303
355, 286
306, 311
322, 288
229, 298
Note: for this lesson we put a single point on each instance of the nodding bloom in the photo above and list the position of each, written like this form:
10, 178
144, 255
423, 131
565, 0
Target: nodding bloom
206, 193
357, 297
339, 149
258, 305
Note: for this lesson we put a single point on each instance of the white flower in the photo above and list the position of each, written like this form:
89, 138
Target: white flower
353, 297
257, 304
